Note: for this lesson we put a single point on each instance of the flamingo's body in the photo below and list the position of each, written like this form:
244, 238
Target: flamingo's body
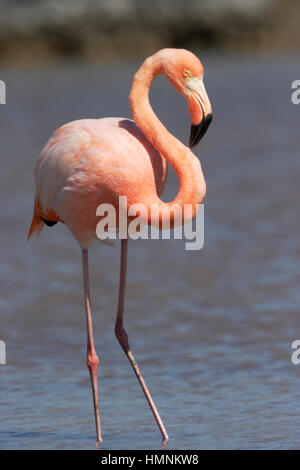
93, 161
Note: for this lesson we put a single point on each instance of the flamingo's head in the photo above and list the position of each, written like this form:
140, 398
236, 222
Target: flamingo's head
185, 72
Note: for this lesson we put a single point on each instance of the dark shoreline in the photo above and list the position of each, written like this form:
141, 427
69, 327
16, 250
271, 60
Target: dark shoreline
31, 33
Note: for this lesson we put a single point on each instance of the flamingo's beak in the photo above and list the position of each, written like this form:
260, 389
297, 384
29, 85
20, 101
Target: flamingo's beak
200, 109
198, 130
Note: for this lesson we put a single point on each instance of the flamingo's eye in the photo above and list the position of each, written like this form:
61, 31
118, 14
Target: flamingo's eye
186, 74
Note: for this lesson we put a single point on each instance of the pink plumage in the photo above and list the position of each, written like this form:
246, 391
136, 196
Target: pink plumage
90, 162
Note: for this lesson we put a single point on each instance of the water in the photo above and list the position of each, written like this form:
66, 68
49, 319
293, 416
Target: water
212, 329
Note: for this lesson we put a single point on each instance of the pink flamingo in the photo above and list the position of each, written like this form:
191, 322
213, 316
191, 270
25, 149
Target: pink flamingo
93, 161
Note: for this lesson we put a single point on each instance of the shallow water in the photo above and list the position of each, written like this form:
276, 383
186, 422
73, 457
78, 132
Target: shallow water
211, 329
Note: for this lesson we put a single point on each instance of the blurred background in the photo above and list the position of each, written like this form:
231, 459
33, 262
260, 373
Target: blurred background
212, 329
95, 30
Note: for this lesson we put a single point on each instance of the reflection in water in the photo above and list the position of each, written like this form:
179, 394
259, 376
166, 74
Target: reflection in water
212, 329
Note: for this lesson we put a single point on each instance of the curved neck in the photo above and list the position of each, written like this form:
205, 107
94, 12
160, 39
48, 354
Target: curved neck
192, 186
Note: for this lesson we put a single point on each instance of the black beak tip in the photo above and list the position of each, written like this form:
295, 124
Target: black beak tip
198, 130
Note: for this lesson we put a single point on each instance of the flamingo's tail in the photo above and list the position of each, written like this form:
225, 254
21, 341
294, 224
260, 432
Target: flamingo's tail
36, 223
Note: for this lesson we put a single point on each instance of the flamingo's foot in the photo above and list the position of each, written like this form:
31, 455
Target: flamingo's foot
98, 443
164, 442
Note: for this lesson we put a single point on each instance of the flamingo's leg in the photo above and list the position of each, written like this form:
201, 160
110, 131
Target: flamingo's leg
123, 340
92, 358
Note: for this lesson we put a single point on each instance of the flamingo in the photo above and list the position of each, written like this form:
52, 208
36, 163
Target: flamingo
88, 162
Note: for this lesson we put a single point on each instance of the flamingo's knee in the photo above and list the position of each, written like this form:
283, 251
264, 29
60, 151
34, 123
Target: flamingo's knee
121, 336
93, 362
